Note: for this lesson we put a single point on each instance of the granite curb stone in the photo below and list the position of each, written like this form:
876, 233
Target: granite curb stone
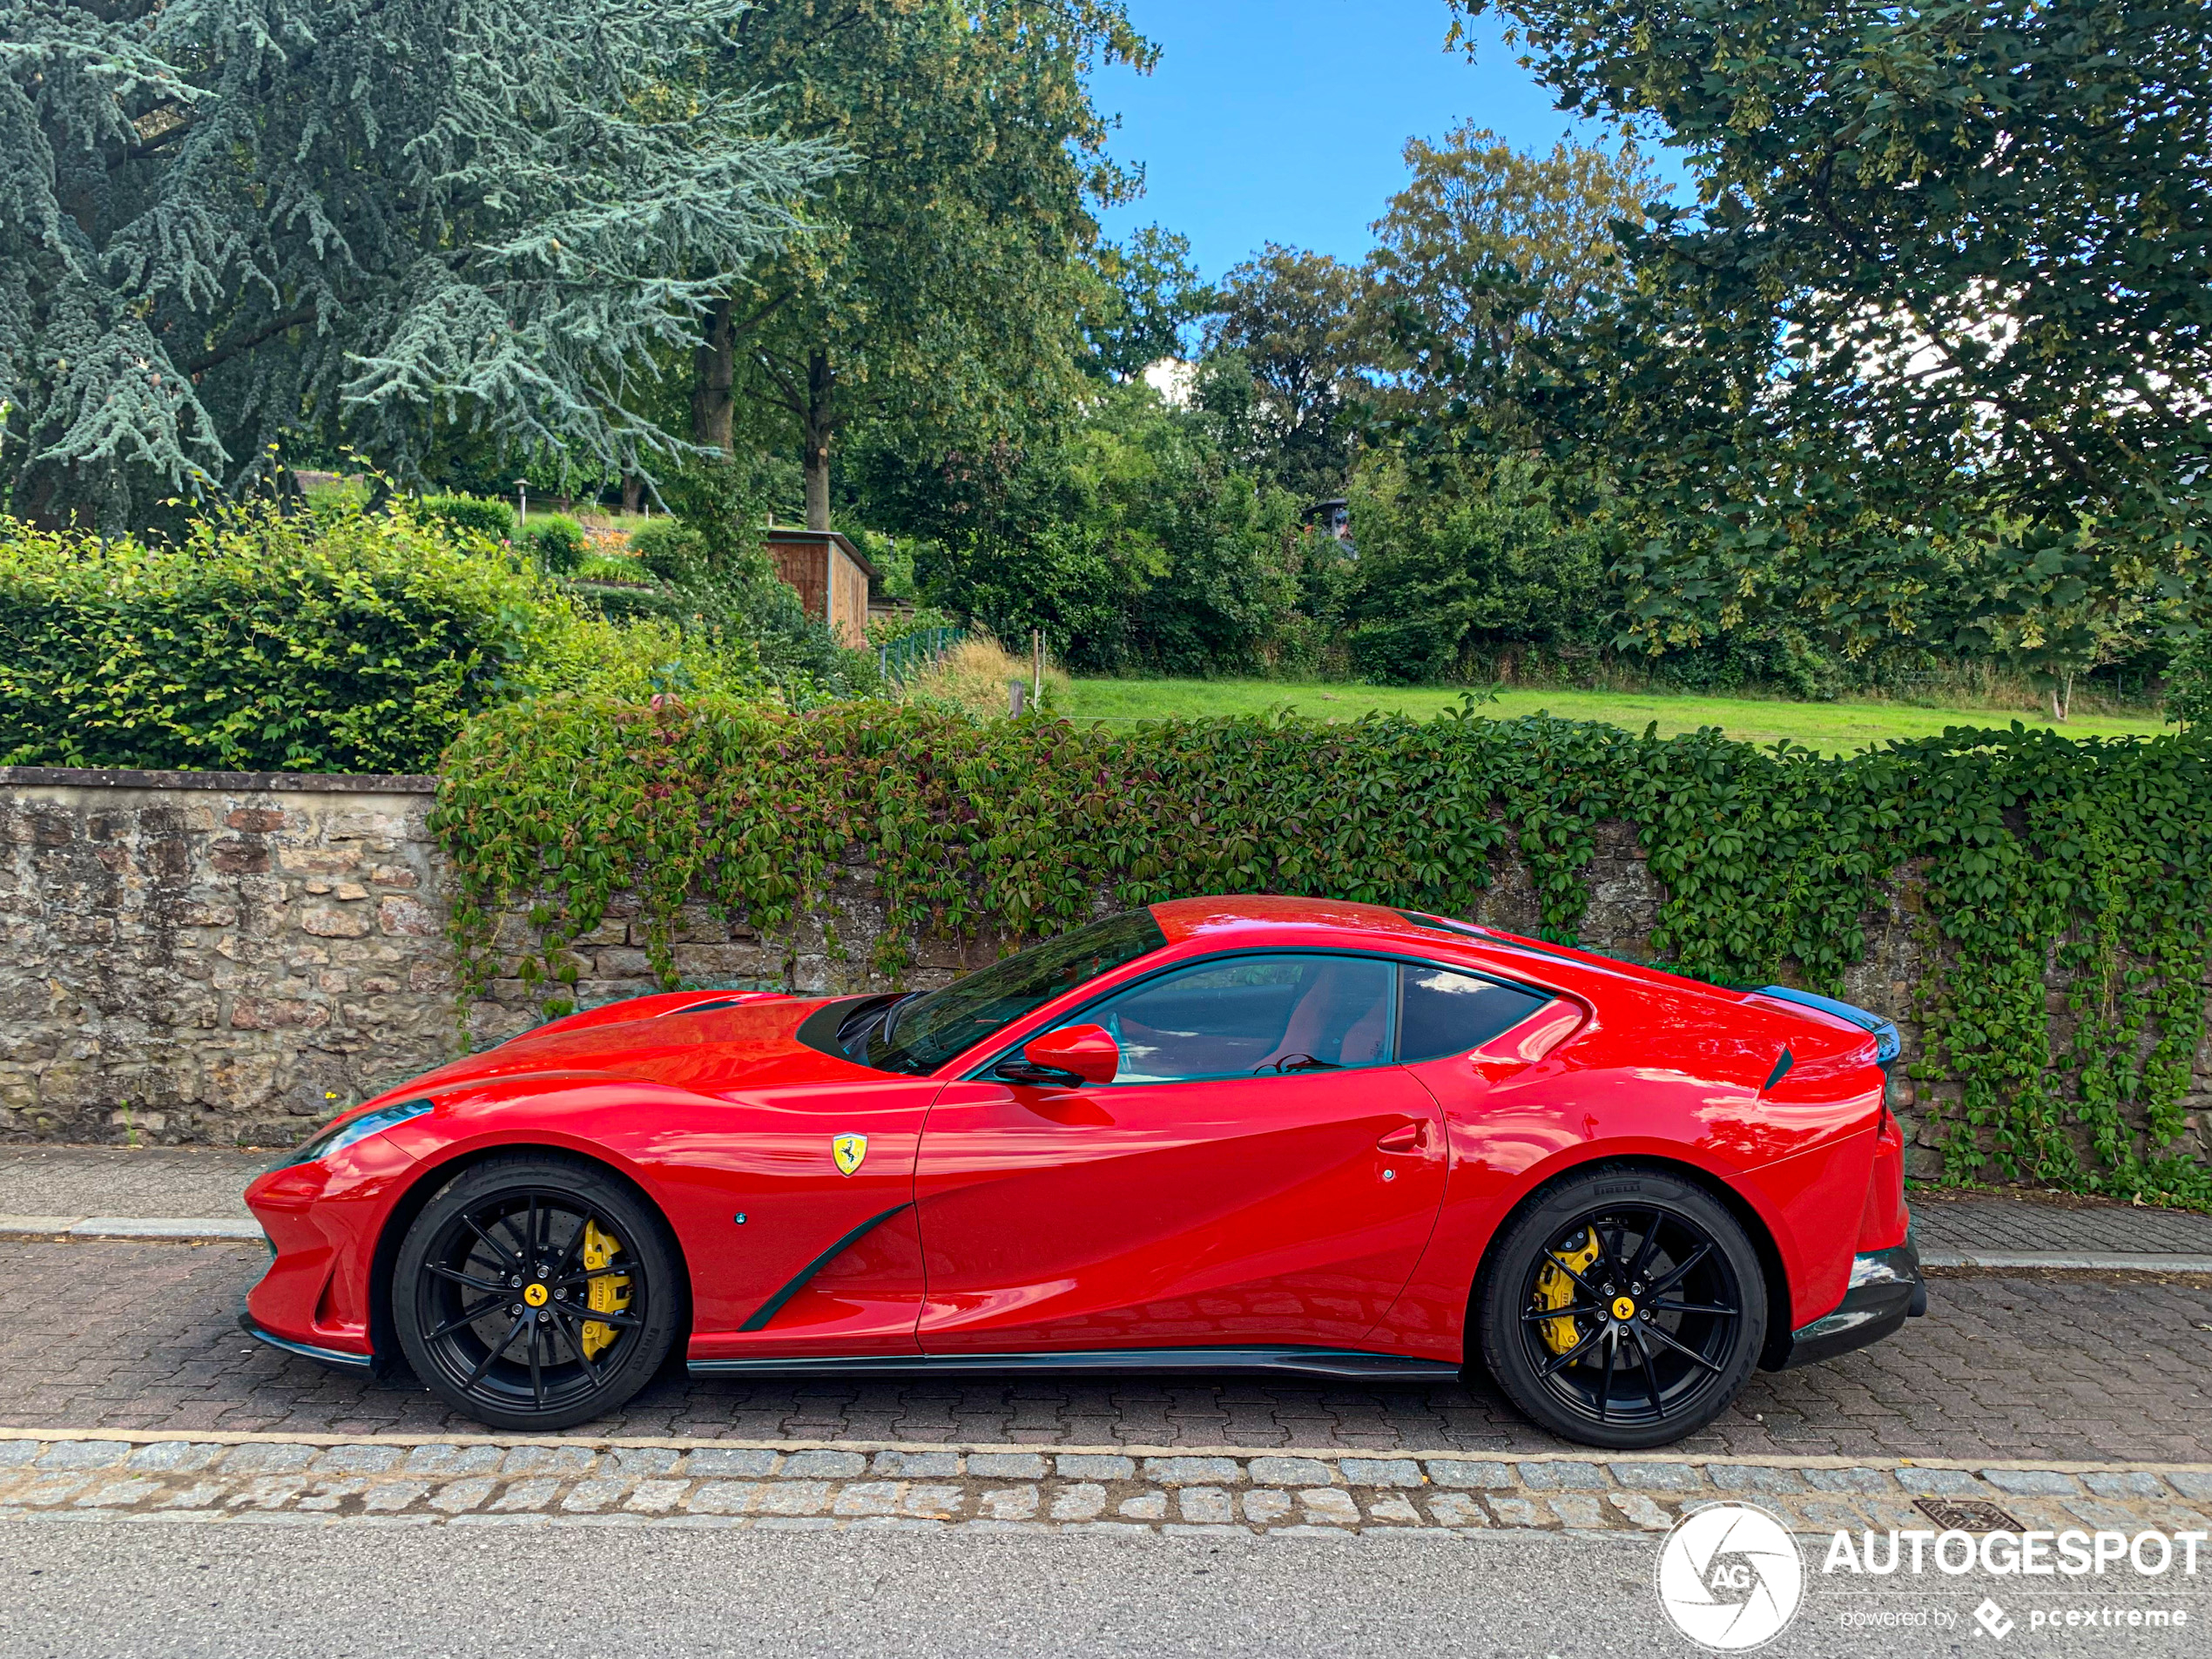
897, 1489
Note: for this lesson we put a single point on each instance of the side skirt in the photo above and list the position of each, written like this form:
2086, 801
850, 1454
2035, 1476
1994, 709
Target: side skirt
1309, 1362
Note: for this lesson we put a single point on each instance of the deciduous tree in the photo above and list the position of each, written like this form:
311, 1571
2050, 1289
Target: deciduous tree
1293, 320
1943, 306
943, 292
1476, 205
1147, 298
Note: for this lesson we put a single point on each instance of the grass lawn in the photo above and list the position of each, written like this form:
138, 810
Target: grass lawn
1834, 728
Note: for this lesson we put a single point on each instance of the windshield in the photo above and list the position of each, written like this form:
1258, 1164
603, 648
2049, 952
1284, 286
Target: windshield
923, 1032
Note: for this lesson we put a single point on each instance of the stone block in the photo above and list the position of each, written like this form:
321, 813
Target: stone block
234, 857
754, 1462
1197, 1470
1292, 1472
328, 921
405, 918
1563, 1477
1094, 1465
823, 1464
1005, 1466
317, 861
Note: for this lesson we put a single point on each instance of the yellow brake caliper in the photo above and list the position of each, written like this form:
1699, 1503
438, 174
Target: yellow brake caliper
609, 1292
1555, 1289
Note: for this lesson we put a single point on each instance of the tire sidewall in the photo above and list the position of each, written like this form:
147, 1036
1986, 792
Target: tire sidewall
636, 1222
1497, 1310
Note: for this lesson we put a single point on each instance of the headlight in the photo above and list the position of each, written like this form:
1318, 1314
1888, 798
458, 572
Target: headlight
338, 1136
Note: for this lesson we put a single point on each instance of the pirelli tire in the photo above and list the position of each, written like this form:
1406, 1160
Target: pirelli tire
536, 1292
1623, 1307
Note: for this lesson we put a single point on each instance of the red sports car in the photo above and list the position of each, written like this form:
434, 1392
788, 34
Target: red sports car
1284, 1133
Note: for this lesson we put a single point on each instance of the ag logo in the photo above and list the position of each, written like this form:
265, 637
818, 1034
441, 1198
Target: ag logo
848, 1151
1730, 1577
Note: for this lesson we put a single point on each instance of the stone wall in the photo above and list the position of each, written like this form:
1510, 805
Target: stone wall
220, 957
214, 956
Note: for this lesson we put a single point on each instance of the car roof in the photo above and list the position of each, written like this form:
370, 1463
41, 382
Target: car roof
1254, 918
1183, 920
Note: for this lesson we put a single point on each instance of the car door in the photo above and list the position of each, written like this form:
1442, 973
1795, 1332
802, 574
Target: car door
1259, 1173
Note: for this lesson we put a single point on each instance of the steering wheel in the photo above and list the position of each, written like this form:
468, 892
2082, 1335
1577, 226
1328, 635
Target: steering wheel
1291, 1062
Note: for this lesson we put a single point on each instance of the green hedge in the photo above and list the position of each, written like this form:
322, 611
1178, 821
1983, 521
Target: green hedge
268, 642
2035, 856
494, 520
556, 542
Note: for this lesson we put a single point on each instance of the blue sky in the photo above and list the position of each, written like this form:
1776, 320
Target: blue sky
1283, 120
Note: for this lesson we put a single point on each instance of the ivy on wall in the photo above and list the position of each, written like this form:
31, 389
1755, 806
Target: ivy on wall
2047, 869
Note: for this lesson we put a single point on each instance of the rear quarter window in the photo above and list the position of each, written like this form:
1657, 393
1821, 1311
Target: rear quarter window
1447, 1013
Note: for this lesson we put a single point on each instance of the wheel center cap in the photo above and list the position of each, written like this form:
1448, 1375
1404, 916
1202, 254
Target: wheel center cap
537, 1296
1624, 1307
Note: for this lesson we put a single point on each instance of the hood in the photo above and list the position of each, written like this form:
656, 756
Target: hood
702, 1042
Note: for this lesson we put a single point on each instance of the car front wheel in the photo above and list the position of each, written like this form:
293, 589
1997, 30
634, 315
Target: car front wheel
536, 1293
1623, 1308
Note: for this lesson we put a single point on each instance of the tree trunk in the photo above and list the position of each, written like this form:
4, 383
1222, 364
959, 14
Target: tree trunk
819, 422
633, 494
714, 375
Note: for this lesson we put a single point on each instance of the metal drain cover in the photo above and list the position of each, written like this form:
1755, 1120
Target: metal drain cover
1966, 1514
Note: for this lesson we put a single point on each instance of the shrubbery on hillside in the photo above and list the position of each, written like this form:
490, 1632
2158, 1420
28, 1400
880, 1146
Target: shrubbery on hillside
341, 642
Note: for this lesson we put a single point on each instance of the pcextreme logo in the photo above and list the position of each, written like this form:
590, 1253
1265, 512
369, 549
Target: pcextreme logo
1730, 1577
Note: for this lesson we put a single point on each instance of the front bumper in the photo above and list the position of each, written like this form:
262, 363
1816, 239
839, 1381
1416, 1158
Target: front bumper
1886, 1290
305, 1349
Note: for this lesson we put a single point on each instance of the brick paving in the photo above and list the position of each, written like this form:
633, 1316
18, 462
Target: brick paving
2011, 1367
875, 1489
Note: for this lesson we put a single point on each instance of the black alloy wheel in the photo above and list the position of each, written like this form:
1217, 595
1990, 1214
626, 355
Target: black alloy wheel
1622, 1308
536, 1293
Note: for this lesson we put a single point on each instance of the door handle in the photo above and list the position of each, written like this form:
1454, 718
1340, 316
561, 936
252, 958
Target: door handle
1407, 1137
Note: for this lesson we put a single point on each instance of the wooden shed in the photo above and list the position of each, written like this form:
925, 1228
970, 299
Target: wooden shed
830, 575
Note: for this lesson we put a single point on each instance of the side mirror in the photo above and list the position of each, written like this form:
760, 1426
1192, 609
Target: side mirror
1067, 1058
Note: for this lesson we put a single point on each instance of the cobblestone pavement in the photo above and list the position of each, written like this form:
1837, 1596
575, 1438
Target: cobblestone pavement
825, 1487
2041, 1223
40, 1180
2004, 1367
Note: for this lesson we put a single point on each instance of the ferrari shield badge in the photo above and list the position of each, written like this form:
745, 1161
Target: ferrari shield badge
848, 1151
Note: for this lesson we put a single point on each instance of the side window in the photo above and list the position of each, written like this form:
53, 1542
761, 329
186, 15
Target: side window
1253, 1014
1445, 1013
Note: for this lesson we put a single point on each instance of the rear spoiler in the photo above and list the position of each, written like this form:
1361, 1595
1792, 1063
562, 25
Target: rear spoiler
1888, 1043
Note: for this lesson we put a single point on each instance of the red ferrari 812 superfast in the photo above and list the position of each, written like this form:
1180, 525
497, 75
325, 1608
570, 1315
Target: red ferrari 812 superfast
1273, 1133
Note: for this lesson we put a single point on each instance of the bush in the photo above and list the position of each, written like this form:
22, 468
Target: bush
492, 519
557, 543
903, 624
1776, 658
1133, 544
266, 643
1461, 564
713, 557
670, 551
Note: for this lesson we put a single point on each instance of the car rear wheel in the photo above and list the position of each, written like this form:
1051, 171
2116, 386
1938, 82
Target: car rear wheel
1625, 1308
536, 1293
